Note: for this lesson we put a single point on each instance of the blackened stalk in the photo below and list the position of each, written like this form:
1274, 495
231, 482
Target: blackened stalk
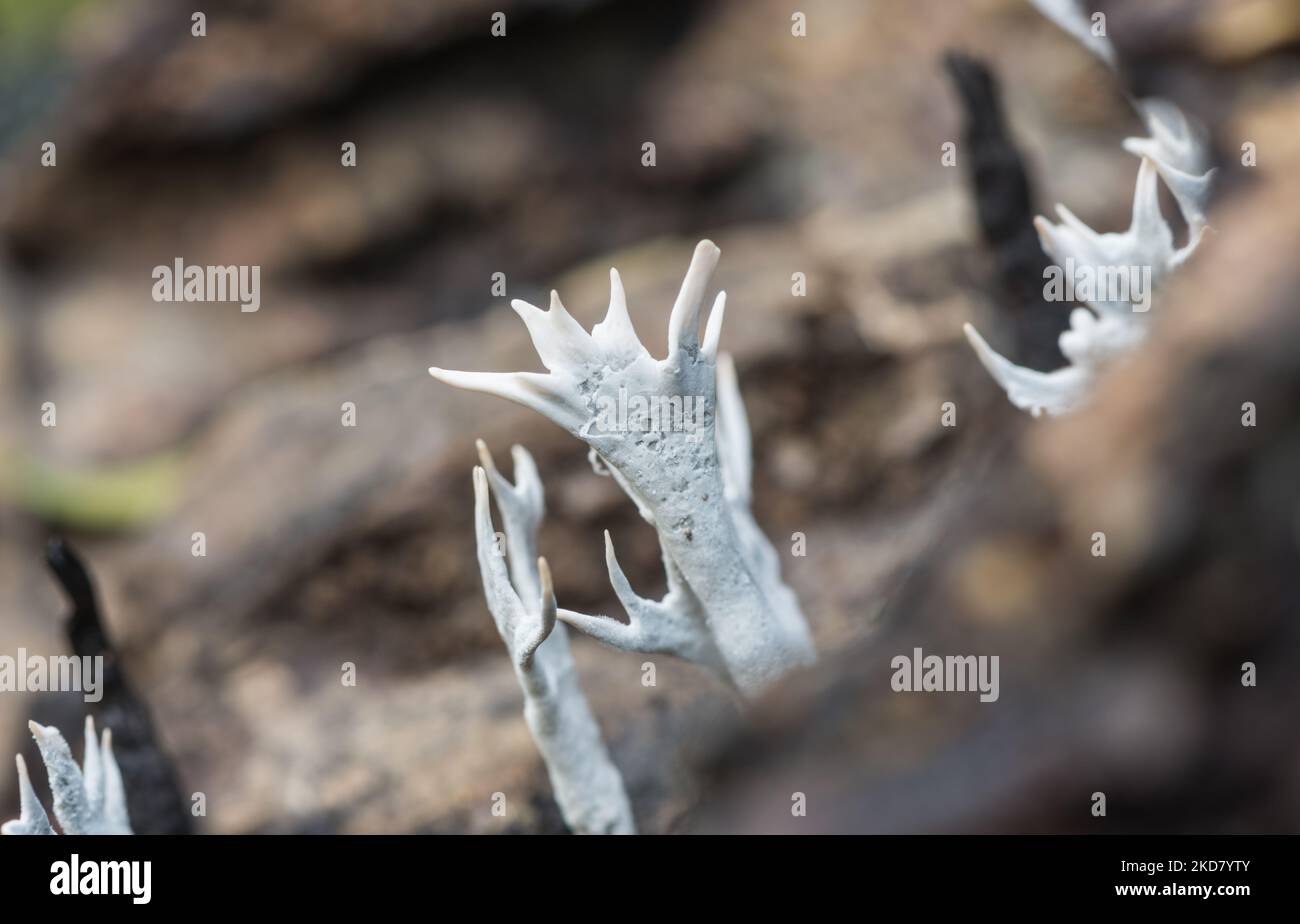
154, 797
1004, 202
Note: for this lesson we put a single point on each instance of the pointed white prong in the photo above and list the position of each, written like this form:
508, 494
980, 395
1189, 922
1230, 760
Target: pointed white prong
632, 603
615, 334
31, 814
616, 315
92, 770
528, 482
1195, 236
566, 324
1046, 236
542, 631
482, 511
1147, 242
524, 308
1192, 194
1174, 137
522, 502
1179, 150
735, 451
1028, 389
559, 340
538, 391
522, 628
1190, 191
522, 506
567, 329
604, 629
1076, 224
497, 588
713, 328
115, 808
674, 625
495, 478
67, 785
1147, 223
684, 322
485, 459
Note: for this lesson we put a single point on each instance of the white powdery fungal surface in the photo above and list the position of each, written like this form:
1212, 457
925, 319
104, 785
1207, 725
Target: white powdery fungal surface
726, 607
587, 785
87, 800
1176, 152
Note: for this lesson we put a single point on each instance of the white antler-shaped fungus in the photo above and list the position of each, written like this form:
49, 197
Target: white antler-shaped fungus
1175, 152
87, 800
587, 785
726, 606
1180, 152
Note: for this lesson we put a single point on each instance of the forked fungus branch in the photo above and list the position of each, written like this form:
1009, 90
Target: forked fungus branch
726, 608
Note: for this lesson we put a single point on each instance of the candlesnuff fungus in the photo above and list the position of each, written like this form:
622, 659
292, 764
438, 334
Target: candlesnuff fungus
587, 785
726, 606
155, 795
87, 800
1109, 327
